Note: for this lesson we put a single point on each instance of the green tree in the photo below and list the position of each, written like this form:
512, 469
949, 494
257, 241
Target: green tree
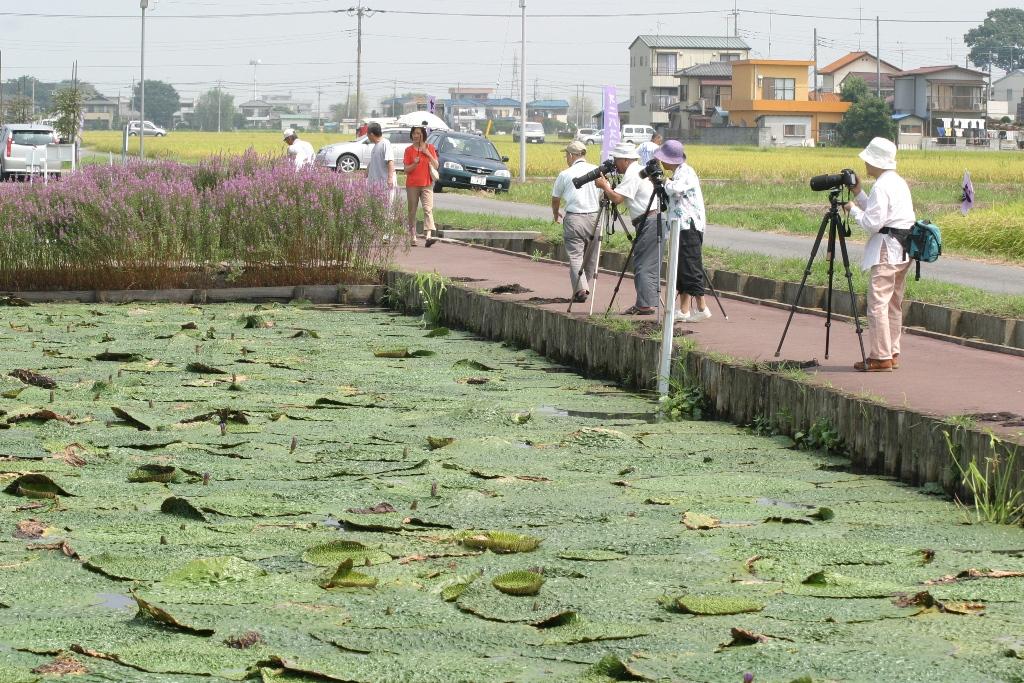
866, 119
18, 109
999, 40
161, 102
855, 89
67, 103
207, 109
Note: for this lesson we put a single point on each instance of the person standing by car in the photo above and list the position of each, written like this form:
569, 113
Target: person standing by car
420, 161
647, 149
579, 222
381, 170
636, 193
889, 208
300, 151
686, 204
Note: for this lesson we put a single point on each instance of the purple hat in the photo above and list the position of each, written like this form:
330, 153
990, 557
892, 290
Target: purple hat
671, 152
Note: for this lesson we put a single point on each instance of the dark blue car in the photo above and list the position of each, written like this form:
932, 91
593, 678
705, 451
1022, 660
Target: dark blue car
469, 161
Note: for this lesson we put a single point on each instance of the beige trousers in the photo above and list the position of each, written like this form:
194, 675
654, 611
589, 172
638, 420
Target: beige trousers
885, 306
424, 195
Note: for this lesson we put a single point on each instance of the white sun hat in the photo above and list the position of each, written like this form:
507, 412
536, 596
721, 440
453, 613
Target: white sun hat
624, 150
880, 153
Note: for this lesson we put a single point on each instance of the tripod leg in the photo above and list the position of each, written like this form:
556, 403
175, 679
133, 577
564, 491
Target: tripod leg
803, 282
853, 298
586, 251
830, 255
609, 222
714, 293
622, 274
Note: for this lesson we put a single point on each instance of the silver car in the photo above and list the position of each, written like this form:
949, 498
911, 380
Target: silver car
346, 157
23, 144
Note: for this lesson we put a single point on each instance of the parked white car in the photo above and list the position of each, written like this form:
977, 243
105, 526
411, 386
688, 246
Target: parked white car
24, 148
590, 136
534, 132
346, 157
151, 129
637, 134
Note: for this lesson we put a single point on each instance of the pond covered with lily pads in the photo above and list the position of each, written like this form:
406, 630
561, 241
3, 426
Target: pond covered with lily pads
316, 493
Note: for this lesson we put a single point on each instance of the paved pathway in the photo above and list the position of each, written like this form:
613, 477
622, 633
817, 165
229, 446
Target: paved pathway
1004, 279
935, 377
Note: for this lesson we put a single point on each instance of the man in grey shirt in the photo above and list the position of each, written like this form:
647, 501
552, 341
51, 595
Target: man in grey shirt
382, 159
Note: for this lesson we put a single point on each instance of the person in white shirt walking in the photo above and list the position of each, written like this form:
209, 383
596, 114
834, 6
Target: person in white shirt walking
381, 169
301, 151
686, 204
888, 207
579, 222
636, 193
647, 149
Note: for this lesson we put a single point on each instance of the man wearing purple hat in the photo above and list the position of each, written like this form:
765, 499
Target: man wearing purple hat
686, 205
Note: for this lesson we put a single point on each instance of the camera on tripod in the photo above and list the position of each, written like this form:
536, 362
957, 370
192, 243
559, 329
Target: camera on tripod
834, 181
654, 171
606, 167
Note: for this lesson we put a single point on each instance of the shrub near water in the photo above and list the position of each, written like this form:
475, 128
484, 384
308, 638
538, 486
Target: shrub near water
167, 224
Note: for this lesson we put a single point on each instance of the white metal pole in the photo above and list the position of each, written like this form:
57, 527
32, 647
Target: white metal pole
143, 4
668, 331
522, 101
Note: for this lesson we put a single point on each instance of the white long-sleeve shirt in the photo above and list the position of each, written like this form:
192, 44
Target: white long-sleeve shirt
888, 206
685, 199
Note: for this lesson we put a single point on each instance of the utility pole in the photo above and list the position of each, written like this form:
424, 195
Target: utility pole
319, 117
359, 12
770, 12
143, 4
878, 60
535, 88
394, 96
515, 75
218, 106
33, 116
814, 89
522, 100
735, 19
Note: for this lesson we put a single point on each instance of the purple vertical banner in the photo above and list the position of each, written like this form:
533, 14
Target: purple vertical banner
431, 104
612, 134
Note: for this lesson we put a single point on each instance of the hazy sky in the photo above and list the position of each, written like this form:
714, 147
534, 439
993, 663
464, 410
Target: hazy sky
431, 52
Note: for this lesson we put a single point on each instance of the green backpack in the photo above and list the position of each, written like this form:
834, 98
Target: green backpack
923, 242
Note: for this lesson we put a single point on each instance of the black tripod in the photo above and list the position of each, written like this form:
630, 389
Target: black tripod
661, 196
837, 228
609, 215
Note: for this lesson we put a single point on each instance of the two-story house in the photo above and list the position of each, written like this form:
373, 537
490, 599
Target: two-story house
654, 62
774, 94
863, 65
949, 99
1005, 94
100, 112
538, 110
702, 90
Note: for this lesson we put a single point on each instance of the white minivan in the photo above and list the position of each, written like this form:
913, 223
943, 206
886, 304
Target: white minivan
636, 134
534, 132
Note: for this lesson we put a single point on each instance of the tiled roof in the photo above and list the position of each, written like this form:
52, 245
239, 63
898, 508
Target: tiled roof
709, 70
924, 70
693, 42
548, 104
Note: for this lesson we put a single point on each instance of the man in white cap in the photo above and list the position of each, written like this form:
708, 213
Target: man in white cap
636, 193
888, 210
301, 151
579, 229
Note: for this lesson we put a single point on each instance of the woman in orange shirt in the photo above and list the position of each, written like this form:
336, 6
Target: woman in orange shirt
420, 158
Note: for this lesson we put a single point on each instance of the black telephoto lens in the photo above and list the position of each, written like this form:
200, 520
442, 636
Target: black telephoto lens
833, 181
606, 167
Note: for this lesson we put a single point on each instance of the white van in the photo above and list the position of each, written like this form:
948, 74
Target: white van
534, 132
637, 134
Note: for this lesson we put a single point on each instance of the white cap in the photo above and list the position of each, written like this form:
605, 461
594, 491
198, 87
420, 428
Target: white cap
624, 150
880, 153
289, 133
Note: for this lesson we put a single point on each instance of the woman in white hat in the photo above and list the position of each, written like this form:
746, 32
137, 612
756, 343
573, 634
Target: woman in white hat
888, 207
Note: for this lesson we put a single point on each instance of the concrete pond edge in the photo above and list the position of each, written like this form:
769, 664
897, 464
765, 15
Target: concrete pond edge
895, 442
978, 330
317, 294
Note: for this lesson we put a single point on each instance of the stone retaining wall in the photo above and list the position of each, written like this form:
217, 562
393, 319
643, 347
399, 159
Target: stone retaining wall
884, 440
318, 294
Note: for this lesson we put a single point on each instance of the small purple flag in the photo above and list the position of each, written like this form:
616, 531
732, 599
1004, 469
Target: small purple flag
967, 200
612, 134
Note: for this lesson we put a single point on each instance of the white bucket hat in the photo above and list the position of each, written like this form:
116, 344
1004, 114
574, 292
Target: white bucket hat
624, 150
880, 153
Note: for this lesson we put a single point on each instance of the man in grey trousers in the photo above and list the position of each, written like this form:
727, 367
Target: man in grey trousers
579, 229
636, 193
